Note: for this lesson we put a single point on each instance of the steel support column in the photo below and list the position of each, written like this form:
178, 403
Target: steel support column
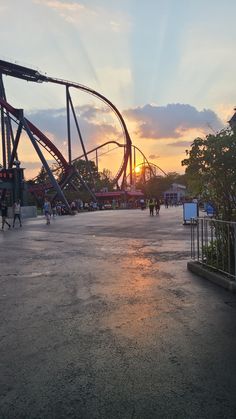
68, 123
16, 142
81, 139
4, 157
130, 165
44, 161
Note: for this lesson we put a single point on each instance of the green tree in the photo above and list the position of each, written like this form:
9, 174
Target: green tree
157, 185
94, 179
88, 171
105, 180
211, 171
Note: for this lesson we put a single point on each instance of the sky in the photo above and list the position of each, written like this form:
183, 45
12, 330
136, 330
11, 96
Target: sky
168, 65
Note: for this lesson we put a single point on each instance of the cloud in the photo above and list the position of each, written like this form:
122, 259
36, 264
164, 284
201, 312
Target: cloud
172, 121
73, 12
181, 144
91, 113
153, 156
94, 130
62, 7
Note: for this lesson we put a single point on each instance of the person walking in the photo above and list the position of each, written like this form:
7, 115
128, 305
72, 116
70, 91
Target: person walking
157, 205
54, 209
47, 210
17, 212
151, 205
4, 215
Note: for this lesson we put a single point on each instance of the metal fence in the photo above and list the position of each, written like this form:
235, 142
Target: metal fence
213, 244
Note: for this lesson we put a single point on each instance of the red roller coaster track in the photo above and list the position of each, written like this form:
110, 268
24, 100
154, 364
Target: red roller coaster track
18, 71
25, 73
40, 137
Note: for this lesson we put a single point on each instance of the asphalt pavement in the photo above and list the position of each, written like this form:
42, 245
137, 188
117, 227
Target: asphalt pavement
101, 319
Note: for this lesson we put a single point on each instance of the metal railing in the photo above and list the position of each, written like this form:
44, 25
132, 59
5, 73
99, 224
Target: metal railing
213, 244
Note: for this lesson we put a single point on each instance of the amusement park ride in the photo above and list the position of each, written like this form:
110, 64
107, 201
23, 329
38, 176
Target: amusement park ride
14, 123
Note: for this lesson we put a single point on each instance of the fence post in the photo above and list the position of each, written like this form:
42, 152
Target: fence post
234, 251
192, 239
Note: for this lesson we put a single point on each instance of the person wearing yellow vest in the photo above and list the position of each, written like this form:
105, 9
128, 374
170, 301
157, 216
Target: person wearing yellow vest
151, 205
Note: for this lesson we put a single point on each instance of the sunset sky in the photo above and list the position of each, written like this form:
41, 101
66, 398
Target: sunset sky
168, 65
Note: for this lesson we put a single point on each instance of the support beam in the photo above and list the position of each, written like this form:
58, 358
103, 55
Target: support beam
97, 158
16, 142
81, 139
44, 162
134, 166
130, 164
4, 156
68, 124
3, 95
8, 139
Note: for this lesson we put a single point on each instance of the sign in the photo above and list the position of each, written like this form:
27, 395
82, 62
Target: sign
190, 210
209, 210
6, 174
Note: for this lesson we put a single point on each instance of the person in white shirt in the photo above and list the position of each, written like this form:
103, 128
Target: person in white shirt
17, 213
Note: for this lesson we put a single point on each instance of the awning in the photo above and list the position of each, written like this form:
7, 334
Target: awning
113, 194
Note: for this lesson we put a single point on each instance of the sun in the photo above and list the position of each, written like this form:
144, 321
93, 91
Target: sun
137, 169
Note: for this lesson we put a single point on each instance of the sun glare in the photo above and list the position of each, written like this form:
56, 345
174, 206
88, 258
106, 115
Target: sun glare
137, 169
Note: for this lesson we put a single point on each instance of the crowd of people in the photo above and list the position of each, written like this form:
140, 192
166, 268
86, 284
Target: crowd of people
58, 208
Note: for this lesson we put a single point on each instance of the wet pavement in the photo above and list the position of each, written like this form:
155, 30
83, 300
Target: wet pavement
101, 319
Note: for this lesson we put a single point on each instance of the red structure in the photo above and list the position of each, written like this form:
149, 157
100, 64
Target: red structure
120, 199
40, 142
38, 139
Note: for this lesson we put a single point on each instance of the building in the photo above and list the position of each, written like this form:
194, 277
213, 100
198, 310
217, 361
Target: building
176, 193
119, 199
232, 121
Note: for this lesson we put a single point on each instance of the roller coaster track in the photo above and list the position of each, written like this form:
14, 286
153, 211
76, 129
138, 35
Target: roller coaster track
40, 137
18, 71
148, 163
115, 110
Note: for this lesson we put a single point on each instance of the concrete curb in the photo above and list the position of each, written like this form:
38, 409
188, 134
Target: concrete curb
212, 276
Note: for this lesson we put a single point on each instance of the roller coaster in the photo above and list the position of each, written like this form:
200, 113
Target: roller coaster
11, 137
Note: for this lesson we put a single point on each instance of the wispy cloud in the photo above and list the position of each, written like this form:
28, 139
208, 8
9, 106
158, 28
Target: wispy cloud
61, 6
180, 144
153, 156
94, 131
171, 121
75, 12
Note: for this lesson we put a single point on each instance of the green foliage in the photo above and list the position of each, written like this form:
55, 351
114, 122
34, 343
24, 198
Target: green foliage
87, 170
157, 185
219, 251
211, 171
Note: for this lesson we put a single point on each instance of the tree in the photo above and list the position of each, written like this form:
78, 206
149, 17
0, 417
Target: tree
211, 171
105, 180
88, 171
97, 181
157, 185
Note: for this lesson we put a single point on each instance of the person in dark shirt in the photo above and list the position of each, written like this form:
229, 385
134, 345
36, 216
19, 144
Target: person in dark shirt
157, 205
4, 215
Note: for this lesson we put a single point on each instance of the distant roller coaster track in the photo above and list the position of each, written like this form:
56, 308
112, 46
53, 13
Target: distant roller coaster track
25, 73
145, 163
18, 71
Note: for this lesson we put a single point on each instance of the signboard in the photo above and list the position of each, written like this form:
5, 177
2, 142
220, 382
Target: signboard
209, 210
190, 210
6, 174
